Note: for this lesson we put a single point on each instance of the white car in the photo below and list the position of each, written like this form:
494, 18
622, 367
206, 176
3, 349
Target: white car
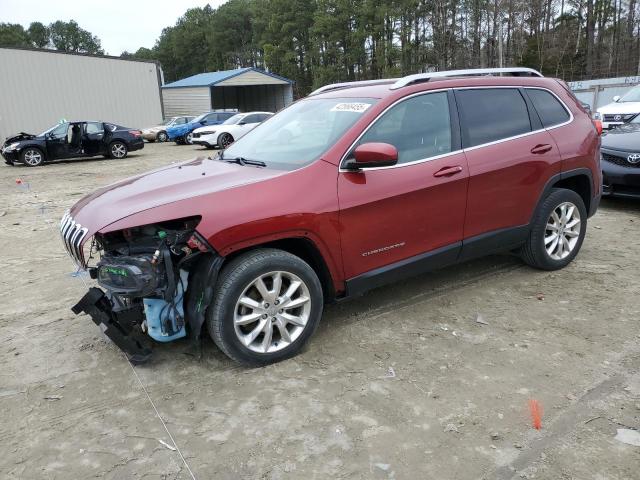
228, 132
621, 110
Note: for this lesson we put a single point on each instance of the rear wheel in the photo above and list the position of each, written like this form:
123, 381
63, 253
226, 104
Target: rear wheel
118, 149
267, 305
558, 230
224, 140
32, 157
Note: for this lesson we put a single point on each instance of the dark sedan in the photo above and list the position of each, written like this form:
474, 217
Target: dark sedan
69, 140
621, 160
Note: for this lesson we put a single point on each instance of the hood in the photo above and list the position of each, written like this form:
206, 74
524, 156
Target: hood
19, 137
620, 107
196, 180
207, 128
624, 137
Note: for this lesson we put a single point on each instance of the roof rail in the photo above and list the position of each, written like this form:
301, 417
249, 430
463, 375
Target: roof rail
425, 77
360, 83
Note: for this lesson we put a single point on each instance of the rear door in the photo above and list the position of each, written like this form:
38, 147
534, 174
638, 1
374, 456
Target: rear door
391, 216
93, 138
510, 156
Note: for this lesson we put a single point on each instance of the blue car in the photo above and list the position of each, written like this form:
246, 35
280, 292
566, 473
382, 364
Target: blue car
181, 134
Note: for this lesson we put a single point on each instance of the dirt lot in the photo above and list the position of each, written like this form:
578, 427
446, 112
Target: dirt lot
400, 383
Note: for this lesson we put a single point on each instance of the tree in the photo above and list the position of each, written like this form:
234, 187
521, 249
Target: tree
38, 35
69, 37
13, 35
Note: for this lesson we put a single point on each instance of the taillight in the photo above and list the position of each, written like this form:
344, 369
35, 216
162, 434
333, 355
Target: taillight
135, 133
598, 125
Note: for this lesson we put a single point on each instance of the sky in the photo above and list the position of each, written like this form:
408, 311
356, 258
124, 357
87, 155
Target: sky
119, 24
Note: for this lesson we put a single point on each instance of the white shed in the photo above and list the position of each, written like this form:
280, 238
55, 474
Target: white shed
246, 89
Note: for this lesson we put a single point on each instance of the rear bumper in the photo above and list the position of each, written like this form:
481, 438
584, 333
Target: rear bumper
620, 181
137, 144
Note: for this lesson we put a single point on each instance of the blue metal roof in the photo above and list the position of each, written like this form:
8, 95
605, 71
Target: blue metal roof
209, 79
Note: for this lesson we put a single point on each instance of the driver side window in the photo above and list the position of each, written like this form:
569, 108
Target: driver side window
418, 127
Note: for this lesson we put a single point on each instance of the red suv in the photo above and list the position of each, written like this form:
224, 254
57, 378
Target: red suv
358, 185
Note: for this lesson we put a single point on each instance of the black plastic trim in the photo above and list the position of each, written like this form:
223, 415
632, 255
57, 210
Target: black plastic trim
409, 267
493, 242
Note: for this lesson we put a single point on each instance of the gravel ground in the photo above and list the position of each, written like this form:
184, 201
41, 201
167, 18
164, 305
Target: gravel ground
403, 382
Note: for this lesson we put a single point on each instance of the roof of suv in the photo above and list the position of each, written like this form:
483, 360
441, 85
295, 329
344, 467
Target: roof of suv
423, 82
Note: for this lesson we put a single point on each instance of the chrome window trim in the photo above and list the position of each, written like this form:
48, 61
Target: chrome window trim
400, 165
415, 162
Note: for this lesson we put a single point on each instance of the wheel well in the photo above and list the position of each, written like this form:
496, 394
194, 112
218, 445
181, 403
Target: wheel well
581, 184
307, 251
36, 147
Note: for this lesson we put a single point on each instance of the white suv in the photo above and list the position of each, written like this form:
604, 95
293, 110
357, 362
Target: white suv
228, 132
621, 110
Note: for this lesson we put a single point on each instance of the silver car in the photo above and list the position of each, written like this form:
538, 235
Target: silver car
159, 132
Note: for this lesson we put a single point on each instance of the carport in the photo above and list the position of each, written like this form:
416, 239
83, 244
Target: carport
245, 89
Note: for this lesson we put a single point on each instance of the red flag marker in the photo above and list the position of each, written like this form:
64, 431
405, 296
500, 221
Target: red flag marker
536, 414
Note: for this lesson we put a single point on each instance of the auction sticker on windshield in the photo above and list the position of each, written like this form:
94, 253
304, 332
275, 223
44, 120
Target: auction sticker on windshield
350, 107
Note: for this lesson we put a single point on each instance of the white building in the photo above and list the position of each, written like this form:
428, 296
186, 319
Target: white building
40, 87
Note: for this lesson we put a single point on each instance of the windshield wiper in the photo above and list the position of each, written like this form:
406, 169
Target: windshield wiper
241, 161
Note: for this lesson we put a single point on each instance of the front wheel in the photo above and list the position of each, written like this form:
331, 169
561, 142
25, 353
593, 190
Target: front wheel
32, 157
557, 232
267, 304
162, 137
188, 138
224, 140
118, 150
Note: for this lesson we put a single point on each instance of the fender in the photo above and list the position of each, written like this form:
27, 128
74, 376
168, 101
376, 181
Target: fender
595, 198
330, 262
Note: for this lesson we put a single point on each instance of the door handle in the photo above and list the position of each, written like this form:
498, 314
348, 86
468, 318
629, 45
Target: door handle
448, 171
541, 148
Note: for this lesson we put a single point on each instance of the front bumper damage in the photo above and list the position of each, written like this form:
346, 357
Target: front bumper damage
119, 326
125, 324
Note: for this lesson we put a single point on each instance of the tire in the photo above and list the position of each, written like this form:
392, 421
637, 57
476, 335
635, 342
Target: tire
224, 140
541, 249
32, 157
118, 150
238, 279
162, 137
188, 138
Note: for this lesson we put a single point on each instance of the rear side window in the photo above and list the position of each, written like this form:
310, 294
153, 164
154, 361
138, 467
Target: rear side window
419, 127
549, 109
93, 127
491, 114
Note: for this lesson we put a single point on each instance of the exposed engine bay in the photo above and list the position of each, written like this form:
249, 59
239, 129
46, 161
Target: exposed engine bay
157, 280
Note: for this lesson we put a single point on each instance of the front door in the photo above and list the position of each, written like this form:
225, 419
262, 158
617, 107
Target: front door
93, 140
400, 218
57, 142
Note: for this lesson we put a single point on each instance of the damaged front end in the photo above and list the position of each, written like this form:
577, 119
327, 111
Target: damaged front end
158, 281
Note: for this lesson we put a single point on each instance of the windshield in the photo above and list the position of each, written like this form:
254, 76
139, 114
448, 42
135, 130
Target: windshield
169, 121
299, 134
57, 130
199, 118
632, 95
233, 120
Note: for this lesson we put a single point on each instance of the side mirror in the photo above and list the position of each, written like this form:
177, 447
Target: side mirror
616, 98
371, 155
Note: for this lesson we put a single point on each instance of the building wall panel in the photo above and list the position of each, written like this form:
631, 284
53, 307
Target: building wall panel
39, 88
186, 101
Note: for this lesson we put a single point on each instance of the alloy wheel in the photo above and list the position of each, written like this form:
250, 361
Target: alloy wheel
33, 157
189, 138
226, 140
272, 312
162, 137
562, 231
118, 150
